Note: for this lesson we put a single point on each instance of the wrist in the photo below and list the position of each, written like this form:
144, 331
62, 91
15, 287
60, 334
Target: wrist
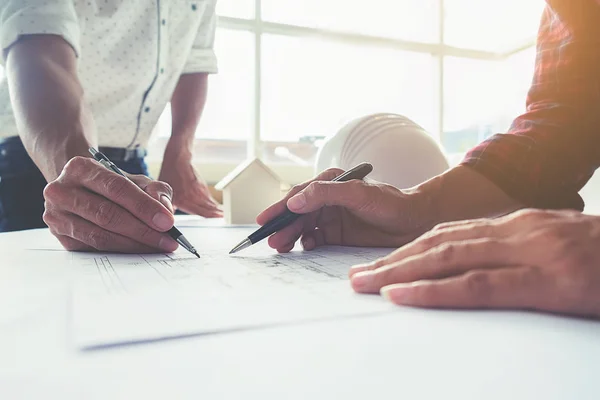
181, 143
51, 157
178, 150
460, 194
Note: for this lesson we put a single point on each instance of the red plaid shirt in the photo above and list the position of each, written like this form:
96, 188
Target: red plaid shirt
552, 150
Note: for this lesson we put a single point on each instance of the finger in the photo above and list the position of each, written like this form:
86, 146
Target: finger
286, 249
98, 238
71, 244
314, 239
453, 232
449, 259
354, 195
96, 178
108, 216
160, 191
288, 235
281, 206
506, 288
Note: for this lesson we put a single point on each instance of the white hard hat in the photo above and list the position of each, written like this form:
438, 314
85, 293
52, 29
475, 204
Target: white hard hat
403, 154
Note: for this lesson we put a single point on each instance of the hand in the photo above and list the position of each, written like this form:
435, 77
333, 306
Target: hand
89, 207
191, 195
532, 259
353, 213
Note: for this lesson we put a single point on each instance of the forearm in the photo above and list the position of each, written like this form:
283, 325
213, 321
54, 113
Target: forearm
48, 103
187, 104
458, 194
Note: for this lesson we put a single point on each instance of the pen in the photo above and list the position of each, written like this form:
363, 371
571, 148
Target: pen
285, 219
173, 232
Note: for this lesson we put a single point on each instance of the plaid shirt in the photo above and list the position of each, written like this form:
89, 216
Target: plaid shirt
552, 150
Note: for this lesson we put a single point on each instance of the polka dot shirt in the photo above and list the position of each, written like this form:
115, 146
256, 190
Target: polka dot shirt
131, 54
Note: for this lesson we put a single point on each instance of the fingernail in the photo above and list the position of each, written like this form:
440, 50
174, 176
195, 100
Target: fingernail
399, 293
362, 279
355, 269
167, 203
297, 202
167, 244
162, 221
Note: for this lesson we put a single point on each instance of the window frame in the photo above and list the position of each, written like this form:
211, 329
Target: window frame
293, 174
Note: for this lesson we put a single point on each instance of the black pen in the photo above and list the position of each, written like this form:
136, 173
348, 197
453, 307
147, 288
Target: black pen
173, 232
285, 219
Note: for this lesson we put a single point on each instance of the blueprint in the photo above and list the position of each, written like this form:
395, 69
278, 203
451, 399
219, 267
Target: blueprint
121, 298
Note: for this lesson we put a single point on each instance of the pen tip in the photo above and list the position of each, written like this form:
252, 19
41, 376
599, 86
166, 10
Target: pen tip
243, 244
196, 254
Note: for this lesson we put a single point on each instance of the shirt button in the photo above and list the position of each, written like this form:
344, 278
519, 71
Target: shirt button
147, 109
194, 7
162, 70
164, 21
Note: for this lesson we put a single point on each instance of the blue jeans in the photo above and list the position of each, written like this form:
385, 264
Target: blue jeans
22, 185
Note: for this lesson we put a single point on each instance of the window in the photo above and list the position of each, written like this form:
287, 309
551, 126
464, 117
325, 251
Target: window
493, 26
312, 87
415, 20
236, 8
293, 72
228, 117
482, 97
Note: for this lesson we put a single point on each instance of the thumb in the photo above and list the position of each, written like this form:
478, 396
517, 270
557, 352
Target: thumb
319, 194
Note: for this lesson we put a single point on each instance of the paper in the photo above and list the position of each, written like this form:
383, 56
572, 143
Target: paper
130, 298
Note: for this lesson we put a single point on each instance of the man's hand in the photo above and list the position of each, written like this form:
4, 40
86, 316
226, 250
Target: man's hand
191, 195
353, 213
89, 207
531, 259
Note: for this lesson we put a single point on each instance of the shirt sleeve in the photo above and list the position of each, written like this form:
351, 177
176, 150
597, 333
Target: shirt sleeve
552, 150
202, 57
30, 17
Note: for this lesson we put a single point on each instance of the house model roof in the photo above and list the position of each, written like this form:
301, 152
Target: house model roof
227, 180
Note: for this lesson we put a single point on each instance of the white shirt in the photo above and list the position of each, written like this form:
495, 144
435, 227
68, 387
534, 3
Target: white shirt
130, 53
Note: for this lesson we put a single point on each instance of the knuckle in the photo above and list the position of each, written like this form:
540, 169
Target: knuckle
49, 218
107, 214
69, 245
143, 207
428, 240
380, 262
441, 226
116, 186
166, 188
52, 191
314, 188
478, 286
446, 252
296, 188
147, 235
332, 173
98, 239
75, 165
159, 188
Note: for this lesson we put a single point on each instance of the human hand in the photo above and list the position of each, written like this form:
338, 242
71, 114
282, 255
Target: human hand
190, 192
532, 259
353, 213
89, 207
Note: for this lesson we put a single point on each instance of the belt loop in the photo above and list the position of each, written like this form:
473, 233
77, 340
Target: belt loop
127, 155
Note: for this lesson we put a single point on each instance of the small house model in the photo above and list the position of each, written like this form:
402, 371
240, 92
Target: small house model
247, 190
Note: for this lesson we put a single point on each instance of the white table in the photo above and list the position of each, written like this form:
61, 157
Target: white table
470, 355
